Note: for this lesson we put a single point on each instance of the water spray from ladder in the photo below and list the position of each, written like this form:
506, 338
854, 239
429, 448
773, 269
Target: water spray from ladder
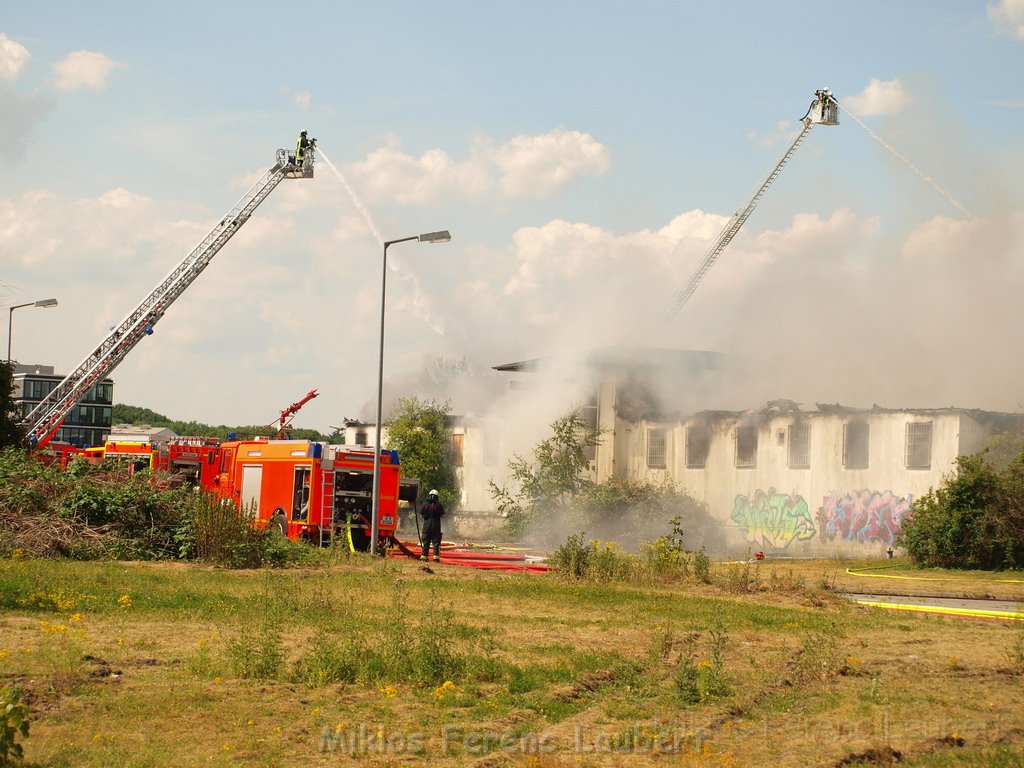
355, 198
928, 179
421, 307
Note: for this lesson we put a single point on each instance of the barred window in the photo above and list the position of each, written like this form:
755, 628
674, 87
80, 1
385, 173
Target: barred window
746, 446
855, 445
698, 441
919, 445
656, 448
799, 446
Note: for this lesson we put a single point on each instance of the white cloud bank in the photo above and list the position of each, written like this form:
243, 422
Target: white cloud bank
13, 58
878, 98
1007, 16
538, 166
84, 69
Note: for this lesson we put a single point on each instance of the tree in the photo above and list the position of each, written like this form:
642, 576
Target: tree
555, 494
133, 414
550, 484
10, 432
975, 519
418, 430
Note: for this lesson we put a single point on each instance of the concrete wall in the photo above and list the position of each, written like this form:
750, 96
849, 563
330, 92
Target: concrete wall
825, 507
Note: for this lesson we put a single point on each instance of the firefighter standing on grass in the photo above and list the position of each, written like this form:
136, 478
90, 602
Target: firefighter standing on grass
432, 512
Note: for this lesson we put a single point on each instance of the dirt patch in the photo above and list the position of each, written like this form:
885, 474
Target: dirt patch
873, 756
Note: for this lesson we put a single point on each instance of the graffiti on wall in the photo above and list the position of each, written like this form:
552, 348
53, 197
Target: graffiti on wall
864, 516
773, 519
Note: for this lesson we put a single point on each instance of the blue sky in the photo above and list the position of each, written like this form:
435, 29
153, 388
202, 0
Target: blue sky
582, 154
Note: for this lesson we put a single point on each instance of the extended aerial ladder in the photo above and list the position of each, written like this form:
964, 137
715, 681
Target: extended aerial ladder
44, 420
824, 110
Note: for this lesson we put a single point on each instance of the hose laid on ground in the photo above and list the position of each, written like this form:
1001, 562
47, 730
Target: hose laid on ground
402, 548
861, 572
964, 613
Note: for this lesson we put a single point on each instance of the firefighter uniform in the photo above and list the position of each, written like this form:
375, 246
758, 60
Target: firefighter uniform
300, 149
432, 512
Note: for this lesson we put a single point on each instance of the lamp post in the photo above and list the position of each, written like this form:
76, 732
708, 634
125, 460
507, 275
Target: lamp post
430, 237
10, 318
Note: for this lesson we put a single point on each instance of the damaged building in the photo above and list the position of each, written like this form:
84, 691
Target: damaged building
780, 478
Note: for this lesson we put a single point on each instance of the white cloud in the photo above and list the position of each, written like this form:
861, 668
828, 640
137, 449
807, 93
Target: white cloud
878, 98
541, 165
783, 130
389, 173
13, 58
523, 166
84, 69
301, 99
1007, 16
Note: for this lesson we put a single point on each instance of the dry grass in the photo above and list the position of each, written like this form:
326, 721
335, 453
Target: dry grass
587, 671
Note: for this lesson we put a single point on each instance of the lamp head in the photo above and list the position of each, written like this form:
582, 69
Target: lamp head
444, 236
46, 303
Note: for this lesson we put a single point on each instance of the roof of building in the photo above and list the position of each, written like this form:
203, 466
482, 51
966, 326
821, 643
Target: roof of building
143, 433
626, 356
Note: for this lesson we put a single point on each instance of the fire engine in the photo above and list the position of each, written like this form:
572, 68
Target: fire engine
178, 461
193, 461
308, 490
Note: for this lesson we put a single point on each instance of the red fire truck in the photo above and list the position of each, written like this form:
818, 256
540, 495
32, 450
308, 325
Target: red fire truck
190, 461
310, 491
193, 461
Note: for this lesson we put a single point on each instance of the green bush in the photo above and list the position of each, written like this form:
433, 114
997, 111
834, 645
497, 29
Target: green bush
975, 519
13, 724
573, 557
95, 512
702, 566
633, 511
89, 513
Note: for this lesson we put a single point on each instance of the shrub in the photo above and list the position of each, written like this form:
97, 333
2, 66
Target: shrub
93, 512
686, 681
257, 655
573, 557
816, 660
13, 724
327, 661
702, 566
975, 519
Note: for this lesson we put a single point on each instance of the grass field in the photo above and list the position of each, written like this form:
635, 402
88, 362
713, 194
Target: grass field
128, 664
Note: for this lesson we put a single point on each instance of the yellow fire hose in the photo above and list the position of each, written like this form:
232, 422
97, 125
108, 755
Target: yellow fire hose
861, 572
972, 613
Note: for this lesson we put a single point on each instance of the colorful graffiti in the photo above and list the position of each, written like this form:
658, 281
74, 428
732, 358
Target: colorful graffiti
864, 516
773, 519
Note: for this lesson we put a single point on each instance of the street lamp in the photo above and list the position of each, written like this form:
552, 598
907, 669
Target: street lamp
10, 318
430, 237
